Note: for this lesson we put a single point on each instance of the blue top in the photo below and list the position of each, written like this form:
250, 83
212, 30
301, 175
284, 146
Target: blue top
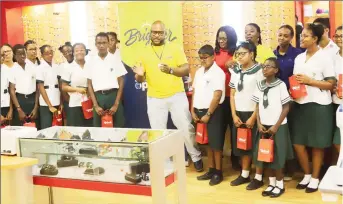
287, 62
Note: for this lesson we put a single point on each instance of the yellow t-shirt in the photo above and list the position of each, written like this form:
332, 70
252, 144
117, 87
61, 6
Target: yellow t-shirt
162, 85
263, 53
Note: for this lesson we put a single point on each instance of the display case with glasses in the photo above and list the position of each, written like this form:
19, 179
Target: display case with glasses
94, 158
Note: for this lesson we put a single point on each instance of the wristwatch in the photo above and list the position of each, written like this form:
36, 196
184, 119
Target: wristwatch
171, 71
208, 113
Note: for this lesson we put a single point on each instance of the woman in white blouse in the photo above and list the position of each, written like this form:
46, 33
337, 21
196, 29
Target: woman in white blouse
311, 117
74, 82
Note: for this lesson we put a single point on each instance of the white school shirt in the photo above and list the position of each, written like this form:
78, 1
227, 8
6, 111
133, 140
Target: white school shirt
205, 84
24, 79
29, 62
76, 76
332, 49
277, 96
338, 70
104, 73
48, 75
243, 100
5, 75
318, 67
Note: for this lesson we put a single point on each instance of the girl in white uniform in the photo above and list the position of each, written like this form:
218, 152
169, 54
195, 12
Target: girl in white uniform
74, 82
23, 88
272, 98
48, 85
339, 70
31, 51
311, 123
6, 63
243, 82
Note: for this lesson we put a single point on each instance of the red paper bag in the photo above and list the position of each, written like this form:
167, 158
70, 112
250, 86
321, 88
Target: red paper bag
29, 124
266, 150
87, 108
340, 86
107, 121
201, 134
244, 140
297, 90
57, 119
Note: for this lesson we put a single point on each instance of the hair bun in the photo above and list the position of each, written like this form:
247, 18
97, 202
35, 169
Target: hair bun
67, 43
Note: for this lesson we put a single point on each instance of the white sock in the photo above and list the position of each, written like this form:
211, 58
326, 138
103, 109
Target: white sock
313, 183
306, 179
245, 174
258, 177
272, 181
280, 184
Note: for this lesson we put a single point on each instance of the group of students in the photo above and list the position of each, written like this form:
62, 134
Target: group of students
248, 84
34, 90
251, 83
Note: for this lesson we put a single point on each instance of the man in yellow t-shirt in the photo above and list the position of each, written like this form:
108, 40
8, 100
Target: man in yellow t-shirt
162, 66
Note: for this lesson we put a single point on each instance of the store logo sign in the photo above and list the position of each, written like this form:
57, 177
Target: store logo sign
143, 86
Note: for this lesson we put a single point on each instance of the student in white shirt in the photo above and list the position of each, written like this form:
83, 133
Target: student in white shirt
243, 82
31, 51
48, 84
67, 52
311, 117
272, 106
338, 70
6, 64
326, 43
113, 42
23, 88
208, 96
105, 73
74, 82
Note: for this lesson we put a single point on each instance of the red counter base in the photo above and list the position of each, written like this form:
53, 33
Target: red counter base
98, 186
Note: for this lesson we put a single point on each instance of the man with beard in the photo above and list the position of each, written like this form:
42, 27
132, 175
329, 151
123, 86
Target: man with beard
163, 65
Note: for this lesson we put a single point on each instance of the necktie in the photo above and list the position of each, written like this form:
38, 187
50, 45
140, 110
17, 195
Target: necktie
265, 97
240, 82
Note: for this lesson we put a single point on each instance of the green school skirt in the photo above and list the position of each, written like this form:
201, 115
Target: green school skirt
76, 118
244, 116
311, 125
283, 150
106, 101
45, 116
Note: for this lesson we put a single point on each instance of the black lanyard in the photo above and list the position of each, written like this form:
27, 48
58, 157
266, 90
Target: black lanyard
159, 57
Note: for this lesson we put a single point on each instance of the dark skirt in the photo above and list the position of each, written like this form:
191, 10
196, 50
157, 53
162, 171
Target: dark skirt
76, 118
45, 116
215, 127
227, 113
311, 125
27, 104
283, 150
244, 116
337, 133
4, 112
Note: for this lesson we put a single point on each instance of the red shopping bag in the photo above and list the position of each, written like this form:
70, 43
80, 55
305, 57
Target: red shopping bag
87, 108
244, 140
107, 121
29, 124
266, 150
340, 86
57, 119
296, 89
201, 134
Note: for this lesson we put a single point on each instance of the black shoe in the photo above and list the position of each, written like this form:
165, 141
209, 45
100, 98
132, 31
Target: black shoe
216, 179
268, 193
275, 195
301, 186
206, 176
239, 181
199, 166
311, 190
254, 184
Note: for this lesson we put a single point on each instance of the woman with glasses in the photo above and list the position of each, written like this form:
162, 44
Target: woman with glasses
226, 40
243, 83
6, 64
48, 85
337, 98
23, 88
253, 34
74, 82
311, 123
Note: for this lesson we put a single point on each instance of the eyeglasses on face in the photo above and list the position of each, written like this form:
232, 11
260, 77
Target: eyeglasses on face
159, 33
240, 54
338, 36
267, 66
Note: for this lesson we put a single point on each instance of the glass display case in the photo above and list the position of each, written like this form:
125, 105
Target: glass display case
104, 155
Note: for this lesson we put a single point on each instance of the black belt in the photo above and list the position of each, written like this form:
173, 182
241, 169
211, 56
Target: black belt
105, 92
46, 87
26, 95
5, 91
